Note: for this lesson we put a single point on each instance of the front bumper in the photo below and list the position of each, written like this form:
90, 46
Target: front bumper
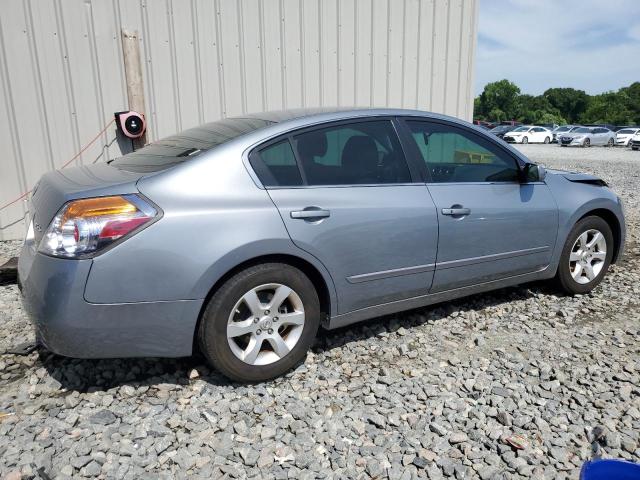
53, 297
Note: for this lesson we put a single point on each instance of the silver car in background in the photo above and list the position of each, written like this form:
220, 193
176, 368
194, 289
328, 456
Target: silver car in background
562, 129
241, 237
588, 137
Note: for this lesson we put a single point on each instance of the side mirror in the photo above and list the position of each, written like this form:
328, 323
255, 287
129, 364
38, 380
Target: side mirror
534, 173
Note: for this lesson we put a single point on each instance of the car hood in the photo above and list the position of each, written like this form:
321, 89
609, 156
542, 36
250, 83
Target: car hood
577, 177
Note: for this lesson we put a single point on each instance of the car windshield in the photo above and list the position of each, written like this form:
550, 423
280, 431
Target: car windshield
582, 130
501, 128
170, 151
627, 131
563, 129
522, 129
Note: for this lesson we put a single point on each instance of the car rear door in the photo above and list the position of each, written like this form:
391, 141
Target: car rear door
491, 225
348, 197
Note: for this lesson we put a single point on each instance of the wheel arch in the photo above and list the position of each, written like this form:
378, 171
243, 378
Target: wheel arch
323, 285
613, 222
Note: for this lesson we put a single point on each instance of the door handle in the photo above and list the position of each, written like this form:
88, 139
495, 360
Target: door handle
456, 211
310, 213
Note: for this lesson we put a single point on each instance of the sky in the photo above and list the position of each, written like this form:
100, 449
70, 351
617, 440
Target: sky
592, 45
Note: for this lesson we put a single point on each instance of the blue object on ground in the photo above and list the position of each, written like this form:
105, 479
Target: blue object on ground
610, 470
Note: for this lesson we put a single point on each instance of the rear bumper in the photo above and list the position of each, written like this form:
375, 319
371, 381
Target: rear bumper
53, 297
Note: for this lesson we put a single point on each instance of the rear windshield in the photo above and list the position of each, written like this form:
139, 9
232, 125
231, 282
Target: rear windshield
178, 148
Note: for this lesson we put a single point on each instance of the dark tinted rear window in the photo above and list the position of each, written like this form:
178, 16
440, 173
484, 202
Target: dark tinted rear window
177, 148
276, 165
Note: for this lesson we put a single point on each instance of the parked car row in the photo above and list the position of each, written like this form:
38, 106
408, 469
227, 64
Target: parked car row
568, 135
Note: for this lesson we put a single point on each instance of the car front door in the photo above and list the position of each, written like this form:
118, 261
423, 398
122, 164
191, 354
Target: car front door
347, 196
492, 225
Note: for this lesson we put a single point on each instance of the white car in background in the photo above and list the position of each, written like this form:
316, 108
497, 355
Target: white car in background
528, 134
624, 136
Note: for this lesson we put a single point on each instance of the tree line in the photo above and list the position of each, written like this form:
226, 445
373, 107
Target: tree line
502, 100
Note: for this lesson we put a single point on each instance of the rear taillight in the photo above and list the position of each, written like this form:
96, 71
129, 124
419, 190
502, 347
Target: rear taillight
84, 227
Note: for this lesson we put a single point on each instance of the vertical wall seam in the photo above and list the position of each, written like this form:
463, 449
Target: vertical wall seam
118, 29
35, 64
418, 55
303, 90
433, 43
95, 72
174, 65
146, 44
242, 59
15, 140
283, 57
338, 63
321, 82
195, 29
387, 54
262, 54
404, 53
371, 59
68, 82
356, 43
223, 103
459, 57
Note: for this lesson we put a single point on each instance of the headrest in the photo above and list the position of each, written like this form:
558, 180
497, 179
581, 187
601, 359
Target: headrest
312, 144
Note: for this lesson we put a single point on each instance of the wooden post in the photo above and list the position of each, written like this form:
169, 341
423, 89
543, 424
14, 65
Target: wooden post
133, 75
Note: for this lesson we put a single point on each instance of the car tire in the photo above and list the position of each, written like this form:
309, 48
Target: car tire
280, 344
586, 143
547, 140
525, 140
582, 266
610, 142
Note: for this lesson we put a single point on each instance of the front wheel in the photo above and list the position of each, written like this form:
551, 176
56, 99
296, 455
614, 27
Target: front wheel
546, 140
260, 323
586, 143
525, 140
586, 256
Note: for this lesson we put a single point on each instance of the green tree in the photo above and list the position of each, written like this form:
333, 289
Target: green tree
569, 102
609, 107
632, 99
499, 96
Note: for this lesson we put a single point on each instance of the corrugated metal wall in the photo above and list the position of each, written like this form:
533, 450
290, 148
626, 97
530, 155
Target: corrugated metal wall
61, 68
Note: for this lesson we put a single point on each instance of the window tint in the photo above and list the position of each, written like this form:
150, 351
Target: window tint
276, 165
455, 155
350, 154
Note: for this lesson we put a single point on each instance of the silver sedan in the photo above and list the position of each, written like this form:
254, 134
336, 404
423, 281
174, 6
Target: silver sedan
588, 137
242, 237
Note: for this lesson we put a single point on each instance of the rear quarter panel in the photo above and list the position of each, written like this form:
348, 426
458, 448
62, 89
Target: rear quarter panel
215, 217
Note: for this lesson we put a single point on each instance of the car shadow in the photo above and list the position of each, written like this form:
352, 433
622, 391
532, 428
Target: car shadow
86, 376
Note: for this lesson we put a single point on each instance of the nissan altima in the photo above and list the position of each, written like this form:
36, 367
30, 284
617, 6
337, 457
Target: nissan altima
242, 237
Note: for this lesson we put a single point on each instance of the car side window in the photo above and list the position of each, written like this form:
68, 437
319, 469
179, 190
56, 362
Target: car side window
352, 154
455, 155
276, 165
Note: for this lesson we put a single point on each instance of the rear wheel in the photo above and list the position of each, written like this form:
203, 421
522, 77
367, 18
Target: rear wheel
260, 323
546, 140
525, 140
586, 256
610, 142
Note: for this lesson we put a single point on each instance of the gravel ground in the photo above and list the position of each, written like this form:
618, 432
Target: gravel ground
519, 383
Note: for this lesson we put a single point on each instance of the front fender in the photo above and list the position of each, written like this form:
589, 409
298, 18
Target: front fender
576, 200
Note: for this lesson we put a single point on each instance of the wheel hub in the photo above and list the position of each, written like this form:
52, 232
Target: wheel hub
265, 323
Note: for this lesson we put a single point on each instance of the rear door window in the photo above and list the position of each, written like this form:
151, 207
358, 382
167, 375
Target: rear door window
276, 165
356, 153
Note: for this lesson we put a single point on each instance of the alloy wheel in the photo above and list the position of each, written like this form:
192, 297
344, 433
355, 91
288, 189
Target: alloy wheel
265, 324
587, 257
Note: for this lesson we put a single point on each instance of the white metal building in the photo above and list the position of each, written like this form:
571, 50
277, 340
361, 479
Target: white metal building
62, 74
